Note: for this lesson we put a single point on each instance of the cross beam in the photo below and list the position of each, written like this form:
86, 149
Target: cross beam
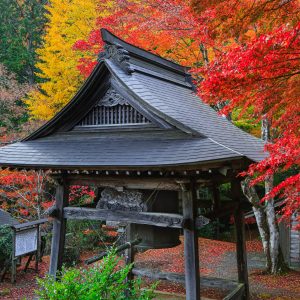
146, 218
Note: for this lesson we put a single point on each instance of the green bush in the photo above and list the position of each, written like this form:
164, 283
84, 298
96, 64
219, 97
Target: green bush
84, 235
81, 236
71, 256
210, 230
103, 281
5, 244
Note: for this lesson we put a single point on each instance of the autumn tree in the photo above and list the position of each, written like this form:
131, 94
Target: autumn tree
25, 194
12, 110
262, 73
68, 21
21, 27
145, 23
245, 59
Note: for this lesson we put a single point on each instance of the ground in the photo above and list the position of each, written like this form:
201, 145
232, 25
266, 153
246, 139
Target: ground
217, 260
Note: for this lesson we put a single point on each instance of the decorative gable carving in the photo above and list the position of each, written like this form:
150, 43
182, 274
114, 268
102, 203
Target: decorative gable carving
113, 109
118, 55
112, 98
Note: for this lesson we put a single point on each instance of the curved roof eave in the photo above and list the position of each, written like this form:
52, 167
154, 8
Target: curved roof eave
98, 77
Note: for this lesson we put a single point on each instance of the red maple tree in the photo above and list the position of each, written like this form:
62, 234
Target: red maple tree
27, 194
246, 51
24, 194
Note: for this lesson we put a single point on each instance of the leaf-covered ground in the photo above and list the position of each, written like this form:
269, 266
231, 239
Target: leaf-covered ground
217, 260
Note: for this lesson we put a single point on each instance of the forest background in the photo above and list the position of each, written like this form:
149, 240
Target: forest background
244, 56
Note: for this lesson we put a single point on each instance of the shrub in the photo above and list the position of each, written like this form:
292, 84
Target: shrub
71, 256
103, 281
81, 236
5, 244
210, 230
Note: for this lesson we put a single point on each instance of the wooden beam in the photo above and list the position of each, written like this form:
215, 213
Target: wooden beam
127, 245
126, 182
29, 224
192, 276
59, 228
147, 218
241, 253
237, 293
139, 180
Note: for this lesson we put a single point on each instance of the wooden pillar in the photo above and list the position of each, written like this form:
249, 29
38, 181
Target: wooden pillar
241, 253
191, 255
130, 252
216, 206
13, 260
38, 249
129, 257
59, 228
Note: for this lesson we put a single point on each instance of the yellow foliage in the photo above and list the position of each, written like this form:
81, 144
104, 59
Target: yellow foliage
69, 21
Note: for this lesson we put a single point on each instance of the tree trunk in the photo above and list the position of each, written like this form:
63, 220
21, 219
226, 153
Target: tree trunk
260, 216
269, 208
265, 215
278, 263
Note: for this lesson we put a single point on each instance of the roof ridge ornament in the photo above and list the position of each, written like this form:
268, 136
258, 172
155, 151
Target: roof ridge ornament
118, 55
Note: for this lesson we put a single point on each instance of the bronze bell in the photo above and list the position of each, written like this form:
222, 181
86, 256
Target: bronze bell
163, 201
154, 237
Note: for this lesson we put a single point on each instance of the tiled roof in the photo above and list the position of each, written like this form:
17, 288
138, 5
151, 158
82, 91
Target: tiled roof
181, 105
7, 219
186, 130
99, 152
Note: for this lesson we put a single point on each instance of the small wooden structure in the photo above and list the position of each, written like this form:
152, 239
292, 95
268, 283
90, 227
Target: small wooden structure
290, 242
136, 124
25, 242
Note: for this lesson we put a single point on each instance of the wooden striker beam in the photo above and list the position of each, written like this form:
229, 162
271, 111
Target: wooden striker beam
147, 218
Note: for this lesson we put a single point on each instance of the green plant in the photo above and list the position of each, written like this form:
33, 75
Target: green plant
210, 230
5, 244
71, 256
84, 235
104, 281
81, 236
5, 292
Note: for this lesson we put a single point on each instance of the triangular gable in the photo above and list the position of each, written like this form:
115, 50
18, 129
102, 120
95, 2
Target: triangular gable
113, 109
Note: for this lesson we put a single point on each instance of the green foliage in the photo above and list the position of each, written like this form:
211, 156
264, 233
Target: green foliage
5, 243
81, 236
103, 281
284, 174
21, 28
210, 230
71, 256
247, 123
4, 292
12, 110
84, 235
